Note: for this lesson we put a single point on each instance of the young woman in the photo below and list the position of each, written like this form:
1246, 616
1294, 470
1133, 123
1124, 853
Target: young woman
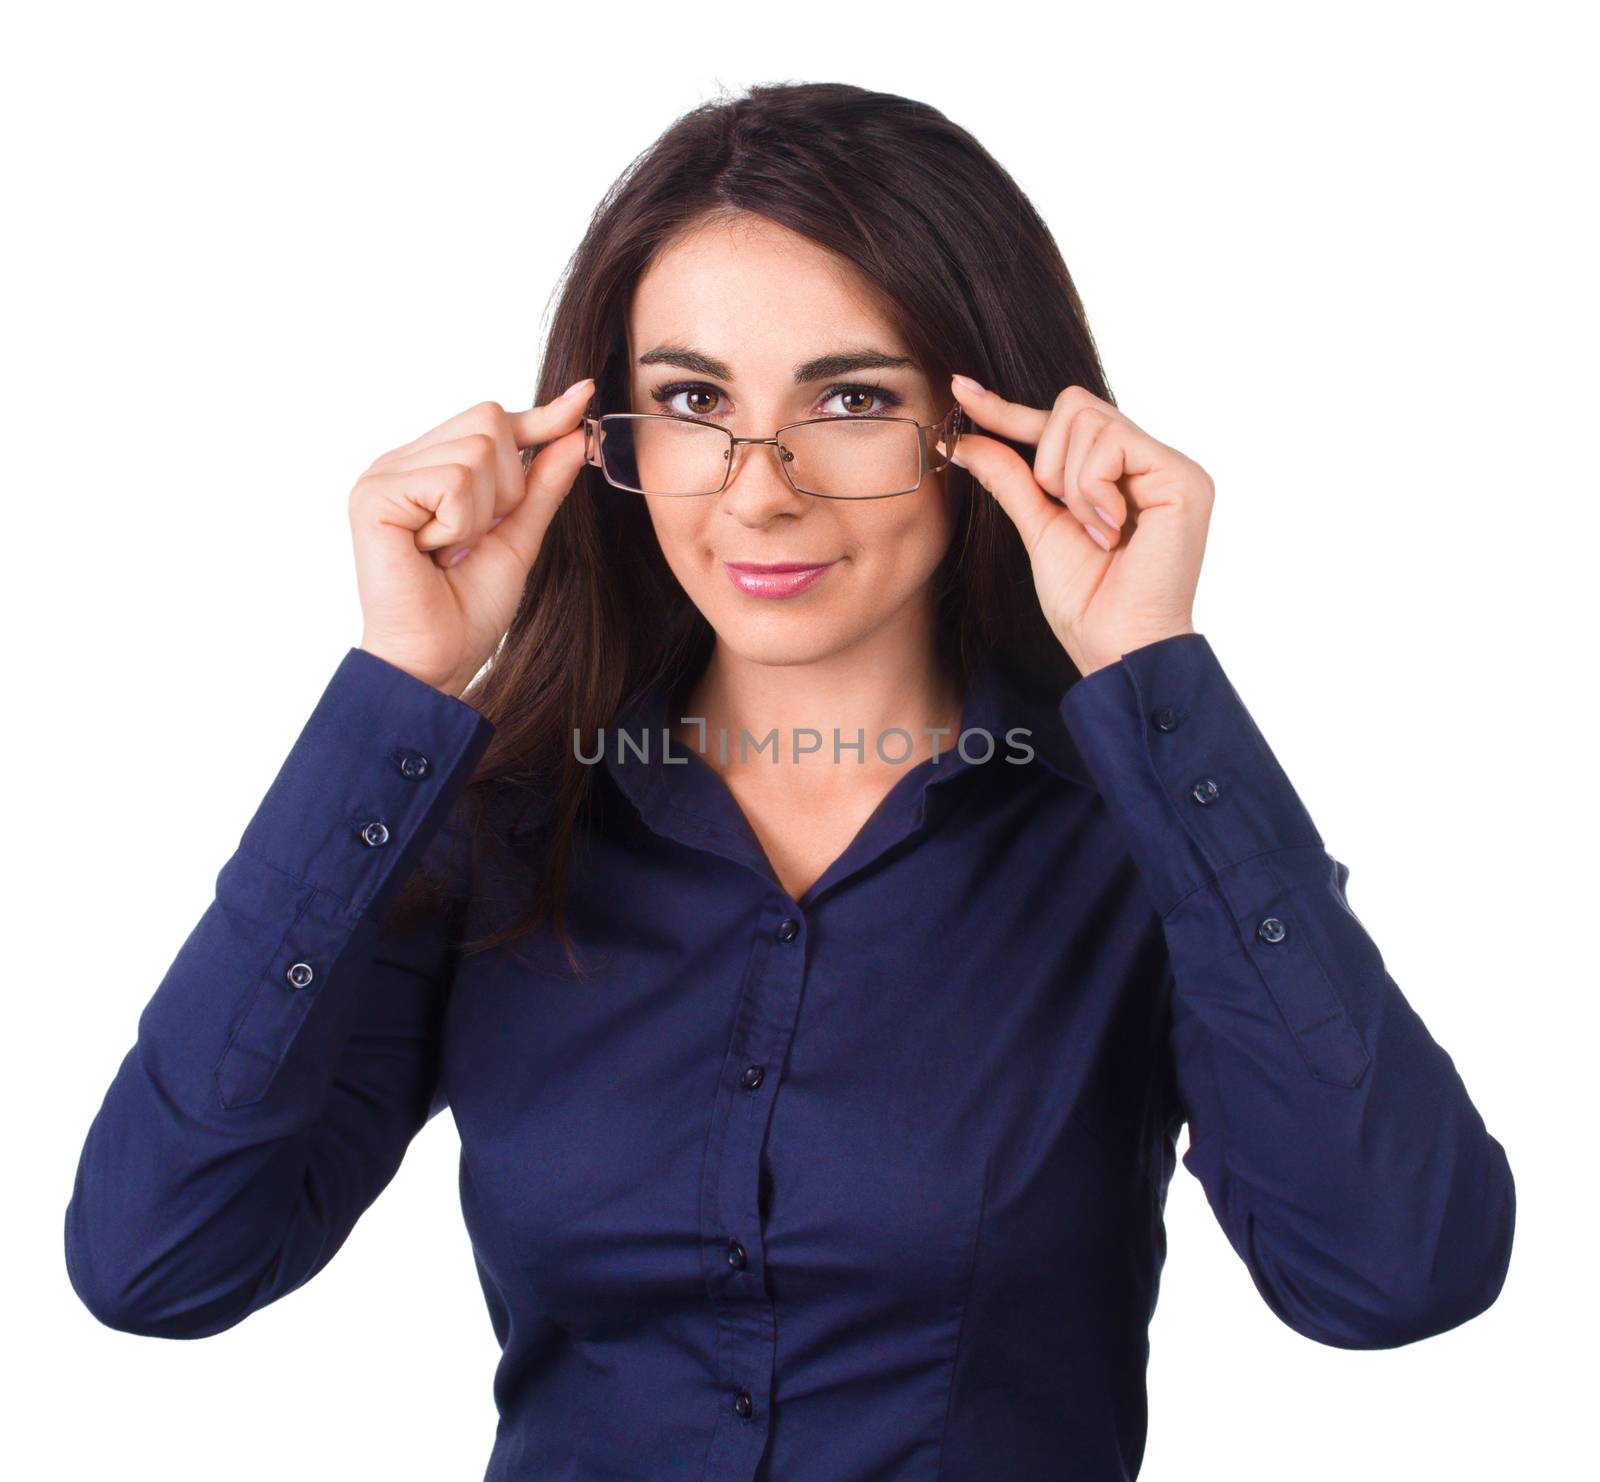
780, 802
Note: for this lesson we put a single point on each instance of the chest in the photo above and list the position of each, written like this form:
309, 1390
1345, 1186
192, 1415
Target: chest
958, 1045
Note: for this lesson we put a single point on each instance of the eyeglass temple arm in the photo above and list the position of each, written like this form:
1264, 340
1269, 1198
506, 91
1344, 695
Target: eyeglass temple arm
953, 424
591, 441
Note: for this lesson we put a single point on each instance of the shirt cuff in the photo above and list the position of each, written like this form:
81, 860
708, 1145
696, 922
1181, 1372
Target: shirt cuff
368, 784
375, 769
1183, 766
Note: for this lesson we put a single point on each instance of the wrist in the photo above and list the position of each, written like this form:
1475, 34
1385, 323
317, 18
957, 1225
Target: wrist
1088, 661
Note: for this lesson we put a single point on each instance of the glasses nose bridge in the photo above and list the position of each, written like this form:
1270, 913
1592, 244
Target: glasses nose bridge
785, 457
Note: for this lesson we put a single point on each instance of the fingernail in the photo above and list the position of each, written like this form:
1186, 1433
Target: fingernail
957, 459
457, 557
1107, 518
1098, 538
495, 521
586, 381
968, 382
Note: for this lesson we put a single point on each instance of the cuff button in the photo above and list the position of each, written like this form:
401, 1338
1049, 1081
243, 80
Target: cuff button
375, 834
413, 764
299, 975
1272, 931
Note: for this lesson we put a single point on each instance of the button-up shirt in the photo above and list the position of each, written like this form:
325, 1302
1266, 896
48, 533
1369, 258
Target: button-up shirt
866, 1183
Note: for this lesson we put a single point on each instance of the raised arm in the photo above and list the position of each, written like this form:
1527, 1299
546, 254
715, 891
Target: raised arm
290, 1053
1334, 1138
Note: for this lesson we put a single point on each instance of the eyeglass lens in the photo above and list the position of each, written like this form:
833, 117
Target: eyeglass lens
845, 458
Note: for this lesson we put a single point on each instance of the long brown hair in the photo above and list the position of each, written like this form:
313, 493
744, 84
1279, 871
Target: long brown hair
967, 271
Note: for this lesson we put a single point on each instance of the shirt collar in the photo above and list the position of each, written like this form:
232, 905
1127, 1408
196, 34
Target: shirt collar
995, 701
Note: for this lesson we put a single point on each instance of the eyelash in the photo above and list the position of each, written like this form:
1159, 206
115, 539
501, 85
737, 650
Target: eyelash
663, 394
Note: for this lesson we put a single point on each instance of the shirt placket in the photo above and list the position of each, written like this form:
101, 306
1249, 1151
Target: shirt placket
685, 800
732, 1247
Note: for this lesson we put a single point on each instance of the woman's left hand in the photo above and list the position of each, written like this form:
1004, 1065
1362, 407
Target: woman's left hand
1100, 602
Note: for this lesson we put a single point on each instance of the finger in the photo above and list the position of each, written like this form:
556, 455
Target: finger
479, 418
1096, 440
483, 435
1023, 424
490, 419
432, 504
1072, 412
1104, 465
471, 447
1006, 475
480, 454
541, 424
549, 480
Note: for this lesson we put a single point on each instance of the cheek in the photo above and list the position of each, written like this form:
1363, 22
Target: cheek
904, 545
677, 530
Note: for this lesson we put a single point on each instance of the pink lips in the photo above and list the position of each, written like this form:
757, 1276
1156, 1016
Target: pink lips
776, 578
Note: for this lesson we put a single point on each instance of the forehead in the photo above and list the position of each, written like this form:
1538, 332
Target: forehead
755, 295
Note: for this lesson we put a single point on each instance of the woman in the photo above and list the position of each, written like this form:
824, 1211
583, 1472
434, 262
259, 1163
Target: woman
822, 871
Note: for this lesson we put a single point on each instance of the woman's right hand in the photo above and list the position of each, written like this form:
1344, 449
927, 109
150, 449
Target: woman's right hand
459, 489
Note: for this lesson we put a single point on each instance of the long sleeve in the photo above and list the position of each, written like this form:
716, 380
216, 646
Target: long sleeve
1334, 1139
290, 1053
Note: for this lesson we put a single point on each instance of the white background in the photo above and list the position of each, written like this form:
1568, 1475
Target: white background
1339, 255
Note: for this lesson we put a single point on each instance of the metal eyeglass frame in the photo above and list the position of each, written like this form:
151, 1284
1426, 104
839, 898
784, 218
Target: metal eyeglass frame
952, 425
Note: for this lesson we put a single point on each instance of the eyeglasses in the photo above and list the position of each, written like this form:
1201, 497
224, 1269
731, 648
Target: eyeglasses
660, 454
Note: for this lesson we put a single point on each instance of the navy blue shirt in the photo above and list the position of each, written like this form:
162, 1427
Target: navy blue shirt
859, 1185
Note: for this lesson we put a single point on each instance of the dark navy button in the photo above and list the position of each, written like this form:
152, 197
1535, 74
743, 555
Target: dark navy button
375, 834
789, 929
1164, 719
413, 764
752, 1077
299, 974
1204, 791
1272, 930
743, 1406
736, 1255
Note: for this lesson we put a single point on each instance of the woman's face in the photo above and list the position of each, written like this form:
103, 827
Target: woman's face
761, 300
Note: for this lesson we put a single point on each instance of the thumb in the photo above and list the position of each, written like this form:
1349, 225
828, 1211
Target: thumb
1009, 477
549, 480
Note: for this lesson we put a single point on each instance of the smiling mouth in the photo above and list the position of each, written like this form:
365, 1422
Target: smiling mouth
776, 578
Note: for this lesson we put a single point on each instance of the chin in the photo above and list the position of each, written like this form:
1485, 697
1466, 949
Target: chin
794, 636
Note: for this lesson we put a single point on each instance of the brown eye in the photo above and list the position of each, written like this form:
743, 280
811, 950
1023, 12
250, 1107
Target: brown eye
859, 392
702, 391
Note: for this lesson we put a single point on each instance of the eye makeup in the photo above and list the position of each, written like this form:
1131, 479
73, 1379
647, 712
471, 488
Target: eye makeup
886, 401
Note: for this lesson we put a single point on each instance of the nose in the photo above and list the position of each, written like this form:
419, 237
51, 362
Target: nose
758, 488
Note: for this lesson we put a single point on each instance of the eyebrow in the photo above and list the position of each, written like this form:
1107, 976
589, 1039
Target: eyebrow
821, 368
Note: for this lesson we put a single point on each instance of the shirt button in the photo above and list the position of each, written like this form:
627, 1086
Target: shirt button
1272, 930
413, 764
375, 834
1204, 791
743, 1406
299, 974
1164, 719
752, 1077
788, 929
736, 1255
